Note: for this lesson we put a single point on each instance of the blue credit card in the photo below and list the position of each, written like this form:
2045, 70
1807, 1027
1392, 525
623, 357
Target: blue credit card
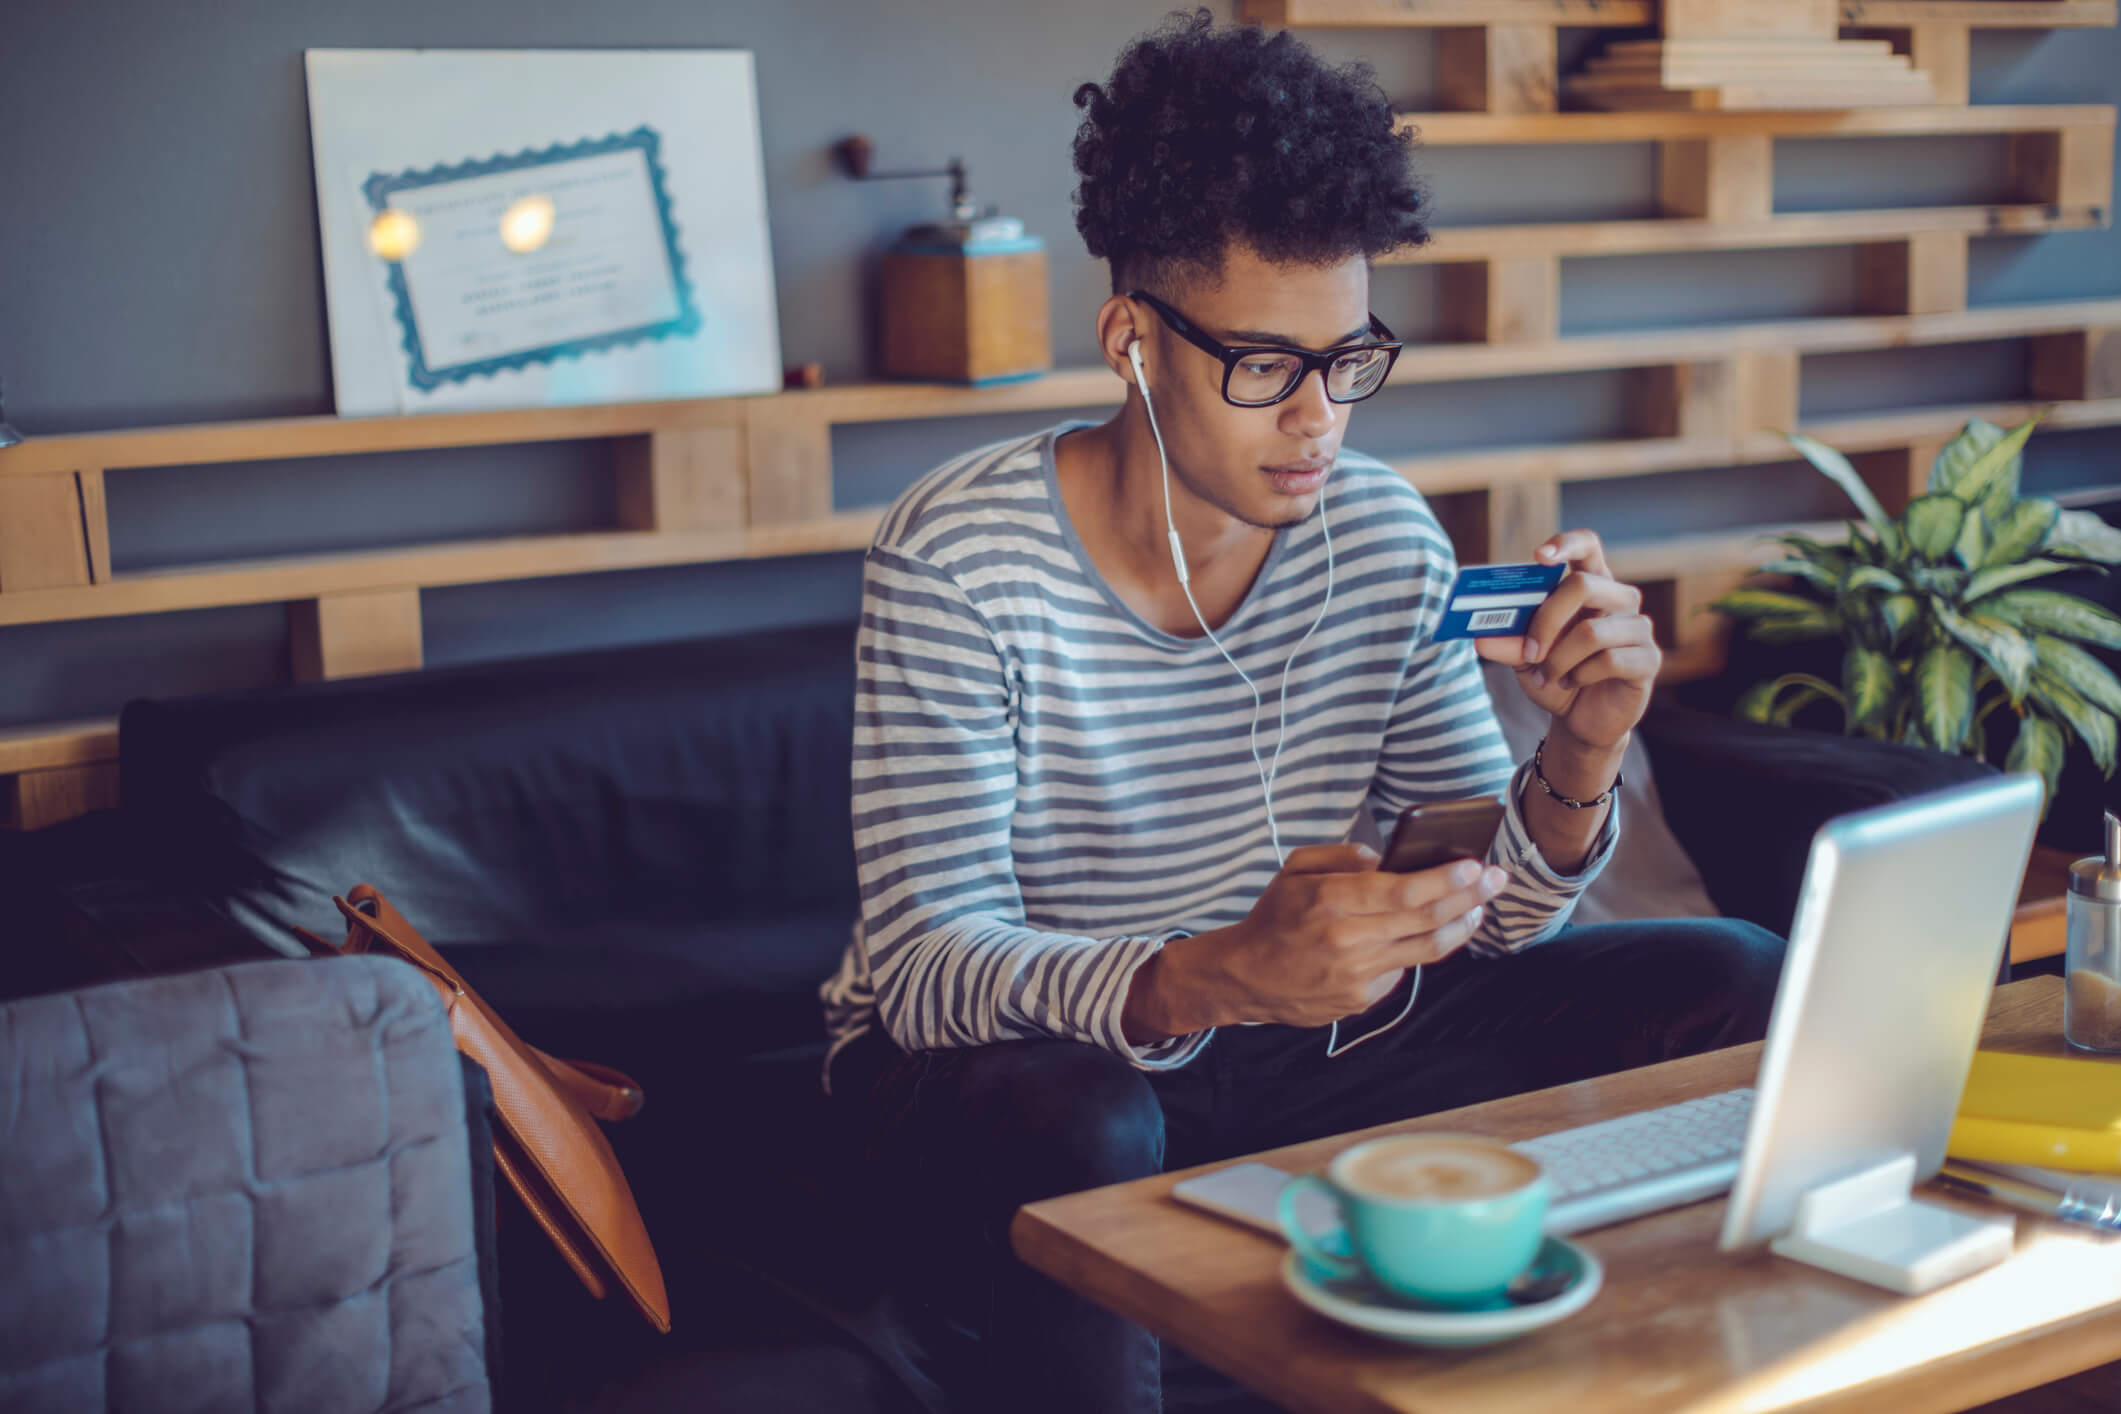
1493, 601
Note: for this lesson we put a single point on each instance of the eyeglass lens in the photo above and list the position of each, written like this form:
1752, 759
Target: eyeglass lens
1264, 377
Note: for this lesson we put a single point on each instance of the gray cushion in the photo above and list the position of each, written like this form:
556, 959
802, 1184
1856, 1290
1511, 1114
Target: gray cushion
240, 1189
1649, 875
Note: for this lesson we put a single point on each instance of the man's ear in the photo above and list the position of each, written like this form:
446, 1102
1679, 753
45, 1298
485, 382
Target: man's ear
1117, 333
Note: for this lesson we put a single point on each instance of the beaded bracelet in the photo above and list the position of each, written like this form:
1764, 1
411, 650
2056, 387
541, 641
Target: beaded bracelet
1538, 760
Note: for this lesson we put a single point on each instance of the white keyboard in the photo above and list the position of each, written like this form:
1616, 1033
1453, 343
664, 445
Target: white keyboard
1621, 1168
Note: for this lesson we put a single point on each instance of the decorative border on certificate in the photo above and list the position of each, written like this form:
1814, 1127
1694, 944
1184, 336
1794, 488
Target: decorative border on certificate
564, 287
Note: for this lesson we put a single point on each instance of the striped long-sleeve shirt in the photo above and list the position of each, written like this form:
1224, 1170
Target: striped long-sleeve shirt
1048, 788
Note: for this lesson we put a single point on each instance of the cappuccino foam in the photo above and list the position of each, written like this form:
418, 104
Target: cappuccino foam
1439, 1169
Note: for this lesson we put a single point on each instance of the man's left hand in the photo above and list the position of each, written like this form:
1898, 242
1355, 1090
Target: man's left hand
1589, 657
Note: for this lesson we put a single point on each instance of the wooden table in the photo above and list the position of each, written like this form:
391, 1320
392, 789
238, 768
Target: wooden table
1679, 1325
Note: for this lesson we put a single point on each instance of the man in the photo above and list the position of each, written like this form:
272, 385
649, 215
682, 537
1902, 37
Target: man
1112, 917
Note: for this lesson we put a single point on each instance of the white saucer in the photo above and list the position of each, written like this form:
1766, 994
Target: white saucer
1367, 1307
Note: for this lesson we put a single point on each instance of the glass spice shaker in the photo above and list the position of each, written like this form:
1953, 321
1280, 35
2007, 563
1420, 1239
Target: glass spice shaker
2091, 1007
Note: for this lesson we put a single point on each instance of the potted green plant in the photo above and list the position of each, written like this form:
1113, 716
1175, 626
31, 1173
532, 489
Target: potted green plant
1941, 622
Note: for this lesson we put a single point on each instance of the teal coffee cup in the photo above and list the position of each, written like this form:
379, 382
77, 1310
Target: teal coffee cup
1446, 1219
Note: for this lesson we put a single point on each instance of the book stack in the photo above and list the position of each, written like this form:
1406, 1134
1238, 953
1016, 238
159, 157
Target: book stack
2041, 1133
1750, 54
1770, 72
2056, 1112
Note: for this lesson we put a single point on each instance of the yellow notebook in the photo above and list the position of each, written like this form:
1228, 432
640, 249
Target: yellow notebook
2055, 1111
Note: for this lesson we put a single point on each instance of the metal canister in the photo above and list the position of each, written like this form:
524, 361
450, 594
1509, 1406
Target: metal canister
2091, 1008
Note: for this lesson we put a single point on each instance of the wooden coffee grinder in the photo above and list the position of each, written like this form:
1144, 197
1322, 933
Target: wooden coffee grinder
964, 300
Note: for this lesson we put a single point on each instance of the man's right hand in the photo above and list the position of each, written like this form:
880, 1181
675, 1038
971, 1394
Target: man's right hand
1330, 937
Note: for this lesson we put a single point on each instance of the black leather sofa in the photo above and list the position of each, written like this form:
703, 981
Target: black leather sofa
642, 856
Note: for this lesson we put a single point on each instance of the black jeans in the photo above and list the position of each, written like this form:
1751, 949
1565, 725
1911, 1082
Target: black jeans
959, 1139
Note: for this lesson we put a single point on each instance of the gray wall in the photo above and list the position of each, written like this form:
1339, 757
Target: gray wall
158, 263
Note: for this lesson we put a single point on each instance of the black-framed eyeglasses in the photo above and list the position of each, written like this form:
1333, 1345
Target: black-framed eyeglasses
1261, 375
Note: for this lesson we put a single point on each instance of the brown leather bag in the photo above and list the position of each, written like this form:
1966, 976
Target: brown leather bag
546, 1140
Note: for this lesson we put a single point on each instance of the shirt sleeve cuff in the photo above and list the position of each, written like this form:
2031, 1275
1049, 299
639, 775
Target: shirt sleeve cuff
1524, 850
1109, 1025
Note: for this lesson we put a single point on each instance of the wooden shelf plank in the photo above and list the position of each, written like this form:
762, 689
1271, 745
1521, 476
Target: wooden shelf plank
431, 566
1569, 239
1876, 431
226, 442
1488, 129
1453, 472
1579, 461
267, 439
1745, 546
1709, 551
1450, 363
276, 438
892, 402
49, 745
1419, 14
1979, 14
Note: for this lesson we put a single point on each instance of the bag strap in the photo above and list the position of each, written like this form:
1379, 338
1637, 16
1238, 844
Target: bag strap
607, 1093
611, 1095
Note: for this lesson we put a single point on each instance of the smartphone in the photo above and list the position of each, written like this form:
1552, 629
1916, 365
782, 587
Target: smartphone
1444, 830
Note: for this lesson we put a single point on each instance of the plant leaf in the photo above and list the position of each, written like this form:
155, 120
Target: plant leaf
1862, 546
1819, 550
2007, 652
2064, 615
1945, 583
1837, 469
1933, 524
2021, 531
2039, 748
1972, 544
2083, 536
1796, 628
2079, 671
1944, 695
1896, 612
1868, 679
1786, 711
1988, 581
1872, 577
1994, 470
1805, 570
1765, 603
1959, 454
1758, 702
2093, 727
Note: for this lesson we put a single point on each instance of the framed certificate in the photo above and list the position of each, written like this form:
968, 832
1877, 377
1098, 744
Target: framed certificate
532, 228
605, 270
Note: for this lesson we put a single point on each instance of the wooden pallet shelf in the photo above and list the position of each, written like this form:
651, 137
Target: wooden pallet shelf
1436, 14
58, 744
1706, 564
1446, 129
1706, 395
309, 577
1455, 472
295, 438
1502, 56
700, 481
1565, 240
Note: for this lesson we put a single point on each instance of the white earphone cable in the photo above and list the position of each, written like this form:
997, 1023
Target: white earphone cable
1266, 771
1185, 584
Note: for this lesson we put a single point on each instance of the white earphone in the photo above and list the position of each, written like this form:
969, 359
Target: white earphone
1185, 583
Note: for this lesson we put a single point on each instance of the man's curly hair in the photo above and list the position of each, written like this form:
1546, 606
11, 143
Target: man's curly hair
1208, 135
